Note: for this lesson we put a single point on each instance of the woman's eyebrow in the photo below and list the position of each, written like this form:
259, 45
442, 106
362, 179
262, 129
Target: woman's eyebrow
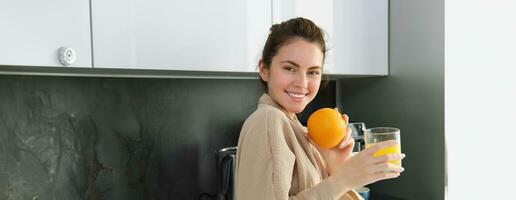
290, 62
297, 65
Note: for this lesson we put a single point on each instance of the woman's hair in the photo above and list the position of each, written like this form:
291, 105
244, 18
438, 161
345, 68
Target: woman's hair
281, 34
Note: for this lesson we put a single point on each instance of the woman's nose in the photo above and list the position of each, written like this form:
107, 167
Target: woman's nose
302, 80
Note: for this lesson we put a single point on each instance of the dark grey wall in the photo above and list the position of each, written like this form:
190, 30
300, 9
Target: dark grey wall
108, 138
119, 138
411, 97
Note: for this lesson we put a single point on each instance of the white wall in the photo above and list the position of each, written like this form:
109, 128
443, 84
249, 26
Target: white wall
480, 101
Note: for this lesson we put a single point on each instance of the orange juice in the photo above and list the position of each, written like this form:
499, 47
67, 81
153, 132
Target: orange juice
372, 136
388, 150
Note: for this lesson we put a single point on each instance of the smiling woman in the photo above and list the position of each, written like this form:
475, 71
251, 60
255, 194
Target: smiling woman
275, 158
295, 75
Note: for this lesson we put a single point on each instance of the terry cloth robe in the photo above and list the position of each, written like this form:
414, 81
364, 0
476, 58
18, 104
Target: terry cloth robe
275, 161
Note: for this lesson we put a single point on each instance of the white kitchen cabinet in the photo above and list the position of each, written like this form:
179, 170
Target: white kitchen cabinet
320, 12
33, 31
195, 35
361, 37
356, 32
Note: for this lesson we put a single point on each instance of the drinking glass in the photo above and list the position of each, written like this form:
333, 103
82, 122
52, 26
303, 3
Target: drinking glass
380, 134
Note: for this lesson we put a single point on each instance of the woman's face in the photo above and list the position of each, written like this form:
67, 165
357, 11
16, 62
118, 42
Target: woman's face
294, 76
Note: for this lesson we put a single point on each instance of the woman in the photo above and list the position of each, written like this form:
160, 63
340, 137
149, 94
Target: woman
275, 157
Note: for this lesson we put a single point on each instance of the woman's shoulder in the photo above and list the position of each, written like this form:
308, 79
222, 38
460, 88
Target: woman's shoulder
265, 118
266, 124
267, 112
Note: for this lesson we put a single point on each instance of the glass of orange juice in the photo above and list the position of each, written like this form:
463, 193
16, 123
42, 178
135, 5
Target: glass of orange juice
380, 134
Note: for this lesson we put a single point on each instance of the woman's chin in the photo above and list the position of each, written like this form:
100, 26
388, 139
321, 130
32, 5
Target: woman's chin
296, 110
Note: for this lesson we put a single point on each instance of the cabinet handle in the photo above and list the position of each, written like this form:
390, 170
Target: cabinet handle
67, 56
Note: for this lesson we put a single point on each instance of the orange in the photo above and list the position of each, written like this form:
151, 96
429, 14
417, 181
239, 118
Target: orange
326, 127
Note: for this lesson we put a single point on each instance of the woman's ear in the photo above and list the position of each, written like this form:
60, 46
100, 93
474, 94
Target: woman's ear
264, 72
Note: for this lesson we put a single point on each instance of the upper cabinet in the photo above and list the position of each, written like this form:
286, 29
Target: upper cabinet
361, 37
195, 35
356, 32
186, 36
320, 12
33, 31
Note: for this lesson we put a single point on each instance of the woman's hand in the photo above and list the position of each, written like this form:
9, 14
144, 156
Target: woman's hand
336, 156
362, 168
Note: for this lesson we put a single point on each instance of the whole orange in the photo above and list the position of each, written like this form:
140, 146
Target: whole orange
326, 127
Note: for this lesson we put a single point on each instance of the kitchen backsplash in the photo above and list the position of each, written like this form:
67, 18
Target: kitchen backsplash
119, 138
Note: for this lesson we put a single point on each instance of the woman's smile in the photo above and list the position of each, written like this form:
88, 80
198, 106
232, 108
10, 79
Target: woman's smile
296, 96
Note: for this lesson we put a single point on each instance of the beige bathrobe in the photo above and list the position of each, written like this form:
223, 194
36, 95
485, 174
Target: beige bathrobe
276, 162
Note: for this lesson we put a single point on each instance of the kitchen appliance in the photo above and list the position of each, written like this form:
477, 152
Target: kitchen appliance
357, 133
225, 166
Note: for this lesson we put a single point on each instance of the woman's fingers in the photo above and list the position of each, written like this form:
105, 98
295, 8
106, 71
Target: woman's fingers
386, 167
349, 132
386, 175
388, 157
384, 171
378, 146
346, 140
349, 146
346, 118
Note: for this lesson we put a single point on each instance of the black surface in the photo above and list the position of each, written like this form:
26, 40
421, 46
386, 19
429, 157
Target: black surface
116, 138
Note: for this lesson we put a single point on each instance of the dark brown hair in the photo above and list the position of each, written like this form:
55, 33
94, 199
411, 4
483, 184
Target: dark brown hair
281, 34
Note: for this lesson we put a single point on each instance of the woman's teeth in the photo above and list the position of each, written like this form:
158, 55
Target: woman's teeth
296, 95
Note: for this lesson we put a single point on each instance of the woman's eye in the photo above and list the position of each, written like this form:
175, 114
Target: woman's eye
290, 69
314, 73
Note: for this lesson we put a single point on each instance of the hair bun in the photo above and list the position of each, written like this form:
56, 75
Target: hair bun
274, 27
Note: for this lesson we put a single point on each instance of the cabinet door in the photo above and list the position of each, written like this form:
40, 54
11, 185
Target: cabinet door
194, 35
320, 12
356, 30
361, 37
34, 30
